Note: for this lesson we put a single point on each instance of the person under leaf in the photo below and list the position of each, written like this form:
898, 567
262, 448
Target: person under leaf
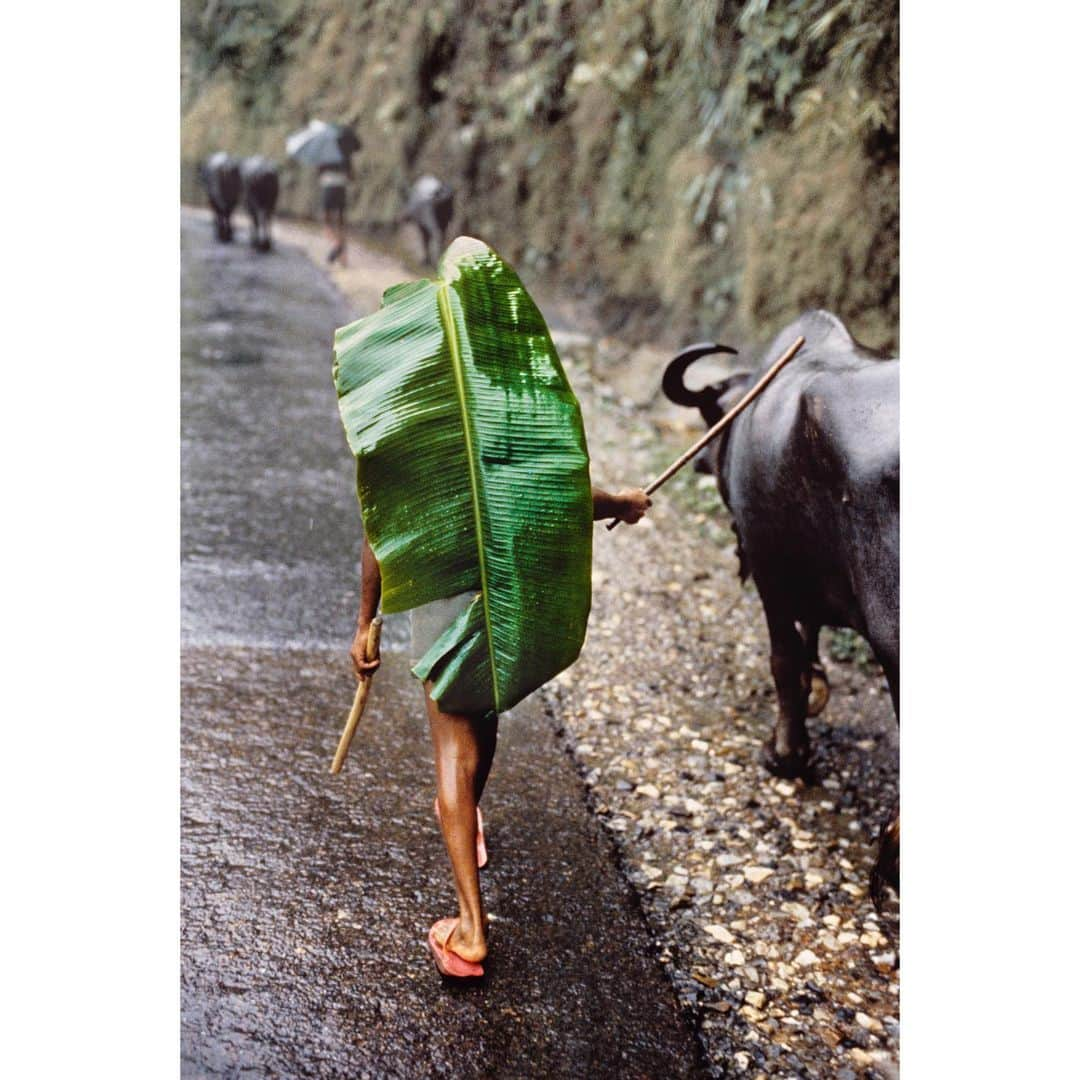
464, 747
474, 486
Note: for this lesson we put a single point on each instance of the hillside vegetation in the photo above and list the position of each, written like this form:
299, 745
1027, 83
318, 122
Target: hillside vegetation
691, 167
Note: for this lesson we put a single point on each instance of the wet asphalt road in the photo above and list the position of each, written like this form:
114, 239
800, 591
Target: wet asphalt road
306, 898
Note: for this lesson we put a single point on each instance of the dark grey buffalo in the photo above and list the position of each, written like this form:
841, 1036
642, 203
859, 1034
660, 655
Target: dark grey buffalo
260, 179
430, 207
220, 175
811, 474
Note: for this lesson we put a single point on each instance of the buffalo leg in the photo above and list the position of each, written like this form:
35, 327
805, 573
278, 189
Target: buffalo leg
224, 224
787, 752
819, 682
426, 236
885, 641
887, 868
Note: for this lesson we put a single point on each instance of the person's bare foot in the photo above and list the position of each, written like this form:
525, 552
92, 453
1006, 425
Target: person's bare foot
467, 942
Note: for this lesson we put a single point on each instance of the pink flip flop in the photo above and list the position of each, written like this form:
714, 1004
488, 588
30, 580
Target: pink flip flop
446, 960
481, 844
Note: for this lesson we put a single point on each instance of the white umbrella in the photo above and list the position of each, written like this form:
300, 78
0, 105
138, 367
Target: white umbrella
321, 143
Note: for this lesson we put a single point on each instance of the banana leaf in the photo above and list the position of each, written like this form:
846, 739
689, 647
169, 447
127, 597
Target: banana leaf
472, 474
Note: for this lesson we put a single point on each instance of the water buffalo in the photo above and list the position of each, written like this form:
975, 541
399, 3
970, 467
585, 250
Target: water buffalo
811, 474
260, 177
430, 207
220, 175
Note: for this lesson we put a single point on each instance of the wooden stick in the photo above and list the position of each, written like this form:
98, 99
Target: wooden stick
718, 427
371, 650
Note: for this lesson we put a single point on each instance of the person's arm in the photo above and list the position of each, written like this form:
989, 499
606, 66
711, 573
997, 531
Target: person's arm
628, 505
370, 593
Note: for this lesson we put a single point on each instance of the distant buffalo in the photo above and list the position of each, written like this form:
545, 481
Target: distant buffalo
220, 175
430, 207
260, 181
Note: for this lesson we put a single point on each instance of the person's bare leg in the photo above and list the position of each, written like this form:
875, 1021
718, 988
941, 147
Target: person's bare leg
464, 748
487, 735
344, 257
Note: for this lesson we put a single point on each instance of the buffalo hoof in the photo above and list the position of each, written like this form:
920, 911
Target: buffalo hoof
793, 766
819, 691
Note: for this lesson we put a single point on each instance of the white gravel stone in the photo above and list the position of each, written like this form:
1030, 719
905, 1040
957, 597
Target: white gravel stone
720, 933
757, 874
868, 1022
806, 959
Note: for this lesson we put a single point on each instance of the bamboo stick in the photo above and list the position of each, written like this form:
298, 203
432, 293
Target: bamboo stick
371, 650
719, 426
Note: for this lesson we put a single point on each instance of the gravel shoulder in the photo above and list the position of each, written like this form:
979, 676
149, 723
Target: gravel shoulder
755, 888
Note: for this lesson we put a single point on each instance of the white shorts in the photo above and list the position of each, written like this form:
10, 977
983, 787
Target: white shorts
430, 621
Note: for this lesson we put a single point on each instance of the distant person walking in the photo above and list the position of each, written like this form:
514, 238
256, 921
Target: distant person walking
332, 183
329, 147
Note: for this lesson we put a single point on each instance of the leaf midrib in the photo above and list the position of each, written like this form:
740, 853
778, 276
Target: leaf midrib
458, 369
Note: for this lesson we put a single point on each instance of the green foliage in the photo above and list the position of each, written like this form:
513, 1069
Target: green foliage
472, 474
702, 167
848, 647
831, 63
248, 38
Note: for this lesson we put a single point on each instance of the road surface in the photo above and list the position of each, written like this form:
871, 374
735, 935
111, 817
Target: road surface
306, 898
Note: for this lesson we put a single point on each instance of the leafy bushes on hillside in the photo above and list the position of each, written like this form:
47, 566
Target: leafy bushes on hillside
695, 166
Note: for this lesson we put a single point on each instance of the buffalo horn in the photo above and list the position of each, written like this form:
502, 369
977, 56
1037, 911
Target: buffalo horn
674, 384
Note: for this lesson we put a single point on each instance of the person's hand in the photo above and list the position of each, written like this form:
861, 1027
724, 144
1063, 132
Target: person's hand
633, 502
362, 666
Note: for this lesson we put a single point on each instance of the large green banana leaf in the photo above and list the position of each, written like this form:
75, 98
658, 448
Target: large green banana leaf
472, 474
